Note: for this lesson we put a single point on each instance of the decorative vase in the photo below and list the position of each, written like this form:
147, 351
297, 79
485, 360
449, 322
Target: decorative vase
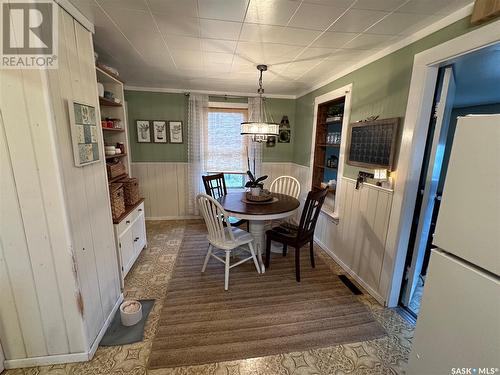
255, 191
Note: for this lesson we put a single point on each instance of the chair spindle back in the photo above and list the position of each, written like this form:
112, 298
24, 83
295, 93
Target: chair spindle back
310, 212
215, 219
215, 185
286, 185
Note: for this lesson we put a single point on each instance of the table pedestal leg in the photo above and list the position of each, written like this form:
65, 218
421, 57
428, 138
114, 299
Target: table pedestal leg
257, 229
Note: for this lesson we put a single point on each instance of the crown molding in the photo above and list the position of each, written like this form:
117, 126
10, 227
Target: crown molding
420, 34
206, 92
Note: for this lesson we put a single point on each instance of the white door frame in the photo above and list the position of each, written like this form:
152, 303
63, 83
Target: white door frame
335, 94
2, 359
423, 81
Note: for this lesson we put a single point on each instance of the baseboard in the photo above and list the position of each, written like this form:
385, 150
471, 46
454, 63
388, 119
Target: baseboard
104, 328
187, 217
65, 358
351, 273
46, 360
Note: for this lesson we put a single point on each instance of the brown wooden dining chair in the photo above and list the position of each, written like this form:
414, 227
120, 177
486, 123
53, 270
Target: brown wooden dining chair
215, 186
297, 236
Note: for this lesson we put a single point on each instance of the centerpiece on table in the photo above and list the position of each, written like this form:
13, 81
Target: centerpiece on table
256, 185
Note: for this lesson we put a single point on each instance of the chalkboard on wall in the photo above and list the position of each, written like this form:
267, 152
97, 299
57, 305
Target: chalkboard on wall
371, 143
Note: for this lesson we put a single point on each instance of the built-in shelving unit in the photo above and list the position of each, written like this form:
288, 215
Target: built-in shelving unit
326, 149
130, 227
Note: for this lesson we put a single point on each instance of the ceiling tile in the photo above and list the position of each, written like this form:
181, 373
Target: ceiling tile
218, 58
277, 34
184, 8
348, 55
395, 23
369, 41
316, 53
233, 10
172, 25
123, 4
219, 29
332, 39
357, 20
250, 52
183, 42
187, 59
271, 12
315, 16
429, 6
333, 3
215, 45
387, 5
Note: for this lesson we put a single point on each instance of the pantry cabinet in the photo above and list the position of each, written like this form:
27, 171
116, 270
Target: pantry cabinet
130, 235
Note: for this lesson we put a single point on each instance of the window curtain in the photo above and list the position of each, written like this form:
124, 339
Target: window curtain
254, 149
197, 128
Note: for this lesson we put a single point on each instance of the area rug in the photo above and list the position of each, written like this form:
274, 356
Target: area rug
259, 315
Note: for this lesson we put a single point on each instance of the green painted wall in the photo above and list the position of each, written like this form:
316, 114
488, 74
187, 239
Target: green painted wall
379, 88
156, 106
144, 105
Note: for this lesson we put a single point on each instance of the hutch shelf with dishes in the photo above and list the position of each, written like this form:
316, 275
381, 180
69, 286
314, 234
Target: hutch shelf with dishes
128, 214
327, 145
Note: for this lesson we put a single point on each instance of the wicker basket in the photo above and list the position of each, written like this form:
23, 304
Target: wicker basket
130, 190
115, 169
117, 200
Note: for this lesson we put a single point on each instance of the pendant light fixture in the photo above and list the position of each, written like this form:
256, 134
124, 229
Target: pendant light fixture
265, 126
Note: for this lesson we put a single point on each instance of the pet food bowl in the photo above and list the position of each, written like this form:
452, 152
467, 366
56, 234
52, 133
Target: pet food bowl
130, 312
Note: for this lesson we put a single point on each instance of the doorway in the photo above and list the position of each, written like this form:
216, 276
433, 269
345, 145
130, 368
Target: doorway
468, 85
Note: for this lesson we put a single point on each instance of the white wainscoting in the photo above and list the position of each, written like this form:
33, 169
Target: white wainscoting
358, 241
164, 186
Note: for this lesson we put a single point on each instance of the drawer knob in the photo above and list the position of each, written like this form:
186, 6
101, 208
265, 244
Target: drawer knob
127, 222
136, 239
140, 210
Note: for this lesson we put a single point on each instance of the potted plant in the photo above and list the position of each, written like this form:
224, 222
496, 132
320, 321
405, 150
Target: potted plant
255, 184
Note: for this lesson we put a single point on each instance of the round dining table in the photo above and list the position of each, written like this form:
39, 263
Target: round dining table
258, 213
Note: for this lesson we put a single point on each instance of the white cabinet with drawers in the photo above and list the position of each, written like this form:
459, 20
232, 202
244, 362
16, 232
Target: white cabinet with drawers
130, 234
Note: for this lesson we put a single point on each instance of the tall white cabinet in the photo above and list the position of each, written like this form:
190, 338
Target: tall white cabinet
59, 273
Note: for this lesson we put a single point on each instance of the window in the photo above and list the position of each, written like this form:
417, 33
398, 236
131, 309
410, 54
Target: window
225, 147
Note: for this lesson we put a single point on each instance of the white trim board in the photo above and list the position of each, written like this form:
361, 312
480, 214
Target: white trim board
76, 14
335, 94
206, 92
423, 81
420, 34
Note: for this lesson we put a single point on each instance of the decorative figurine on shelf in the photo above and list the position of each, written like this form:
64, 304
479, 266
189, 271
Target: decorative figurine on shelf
334, 161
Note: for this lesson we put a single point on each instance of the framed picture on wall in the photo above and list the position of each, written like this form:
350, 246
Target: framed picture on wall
143, 131
159, 131
175, 132
83, 133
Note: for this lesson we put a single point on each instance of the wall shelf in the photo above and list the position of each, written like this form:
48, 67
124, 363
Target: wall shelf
328, 145
110, 180
113, 130
108, 103
116, 156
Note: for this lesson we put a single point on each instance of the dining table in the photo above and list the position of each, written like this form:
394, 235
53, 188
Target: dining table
258, 214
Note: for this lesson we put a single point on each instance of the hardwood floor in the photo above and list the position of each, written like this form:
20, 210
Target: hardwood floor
149, 278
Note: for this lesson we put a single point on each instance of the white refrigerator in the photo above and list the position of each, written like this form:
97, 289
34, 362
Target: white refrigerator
458, 328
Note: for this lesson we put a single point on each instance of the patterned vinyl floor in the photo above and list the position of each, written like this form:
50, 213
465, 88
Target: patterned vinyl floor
149, 279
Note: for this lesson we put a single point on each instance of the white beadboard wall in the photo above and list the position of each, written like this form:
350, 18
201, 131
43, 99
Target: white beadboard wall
358, 241
59, 280
164, 185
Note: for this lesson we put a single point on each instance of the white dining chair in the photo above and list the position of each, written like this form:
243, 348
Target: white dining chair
223, 237
286, 185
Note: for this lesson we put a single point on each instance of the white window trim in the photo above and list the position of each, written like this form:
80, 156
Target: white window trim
227, 105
